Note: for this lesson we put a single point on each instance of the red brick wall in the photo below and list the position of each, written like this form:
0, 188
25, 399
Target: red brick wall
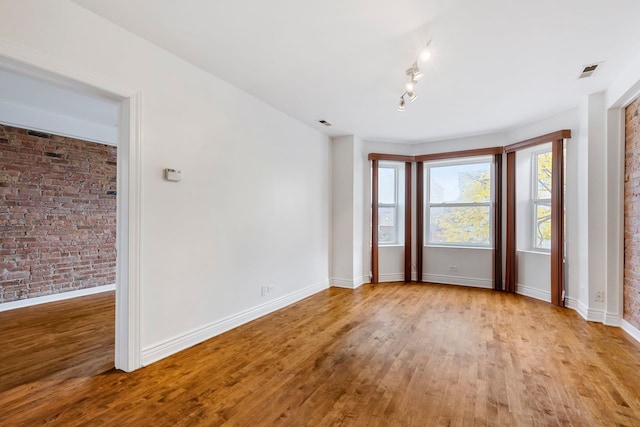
57, 214
632, 215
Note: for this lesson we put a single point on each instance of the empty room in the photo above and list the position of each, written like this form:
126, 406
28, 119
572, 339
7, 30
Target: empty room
411, 213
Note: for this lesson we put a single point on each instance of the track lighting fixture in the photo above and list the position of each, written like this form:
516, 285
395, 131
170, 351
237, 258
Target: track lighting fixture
410, 86
401, 105
425, 54
414, 75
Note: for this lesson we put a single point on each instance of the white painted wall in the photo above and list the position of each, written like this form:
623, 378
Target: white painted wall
458, 266
347, 242
253, 206
597, 172
360, 235
458, 144
342, 215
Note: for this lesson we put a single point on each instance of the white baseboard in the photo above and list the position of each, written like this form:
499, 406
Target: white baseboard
56, 297
391, 277
166, 348
593, 314
588, 314
460, 281
349, 284
571, 303
611, 319
531, 292
578, 306
630, 329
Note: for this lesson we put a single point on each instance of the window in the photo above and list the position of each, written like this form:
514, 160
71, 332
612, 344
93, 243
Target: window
460, 202
389, 203
541, 200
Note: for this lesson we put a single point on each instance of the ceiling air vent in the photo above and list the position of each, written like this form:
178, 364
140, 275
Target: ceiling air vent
588, 71
324, 122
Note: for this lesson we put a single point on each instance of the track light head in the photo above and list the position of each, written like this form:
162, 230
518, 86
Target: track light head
414, 72
410, 86
401, 105
425, 53
412, 96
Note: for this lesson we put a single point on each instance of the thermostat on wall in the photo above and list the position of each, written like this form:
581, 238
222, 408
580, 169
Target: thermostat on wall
172, 175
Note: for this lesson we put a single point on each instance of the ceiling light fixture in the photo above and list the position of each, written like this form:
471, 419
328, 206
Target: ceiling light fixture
425, 54
401, 105
414, 75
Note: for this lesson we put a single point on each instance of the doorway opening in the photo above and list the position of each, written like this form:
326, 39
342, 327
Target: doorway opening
28, 63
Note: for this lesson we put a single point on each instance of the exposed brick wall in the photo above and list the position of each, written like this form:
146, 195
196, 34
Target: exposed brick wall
632, 215
57, 214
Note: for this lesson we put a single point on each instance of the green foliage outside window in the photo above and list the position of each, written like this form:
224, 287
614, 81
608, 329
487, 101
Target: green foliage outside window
468, 222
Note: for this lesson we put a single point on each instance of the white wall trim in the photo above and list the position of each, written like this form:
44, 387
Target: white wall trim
588, 314
128, 276
173, 345
612, 319
578, 306
460, 281
391, 277
128, 346
531, 292
571, 303
630, 329
56, 297
342, 283
349, 283
595, 315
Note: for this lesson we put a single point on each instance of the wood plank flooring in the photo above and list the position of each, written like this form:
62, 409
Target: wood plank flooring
383, 355
60, 339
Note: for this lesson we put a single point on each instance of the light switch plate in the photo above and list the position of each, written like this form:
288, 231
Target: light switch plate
172, 175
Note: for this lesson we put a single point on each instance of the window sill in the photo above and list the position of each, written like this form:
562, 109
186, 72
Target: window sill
395, 245
533, 251
484, 248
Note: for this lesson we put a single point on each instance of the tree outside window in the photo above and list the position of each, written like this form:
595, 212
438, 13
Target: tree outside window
541, 200
460, 206
387, 205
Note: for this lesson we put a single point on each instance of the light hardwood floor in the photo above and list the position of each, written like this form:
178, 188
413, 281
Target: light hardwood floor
384, 355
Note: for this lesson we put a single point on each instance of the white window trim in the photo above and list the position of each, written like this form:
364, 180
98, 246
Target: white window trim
428, 205
535, 201
396, 205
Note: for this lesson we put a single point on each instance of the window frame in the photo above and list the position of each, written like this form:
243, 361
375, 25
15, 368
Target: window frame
428, 165
536, 202
395, 205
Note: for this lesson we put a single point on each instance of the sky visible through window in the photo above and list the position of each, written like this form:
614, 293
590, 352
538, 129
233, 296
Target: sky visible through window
445, 185
386, 186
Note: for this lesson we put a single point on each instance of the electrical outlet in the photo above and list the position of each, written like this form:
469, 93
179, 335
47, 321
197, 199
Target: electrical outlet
599, 297
453, 268
267, 290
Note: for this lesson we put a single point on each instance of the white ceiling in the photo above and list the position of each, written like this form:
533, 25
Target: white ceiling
496, 64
